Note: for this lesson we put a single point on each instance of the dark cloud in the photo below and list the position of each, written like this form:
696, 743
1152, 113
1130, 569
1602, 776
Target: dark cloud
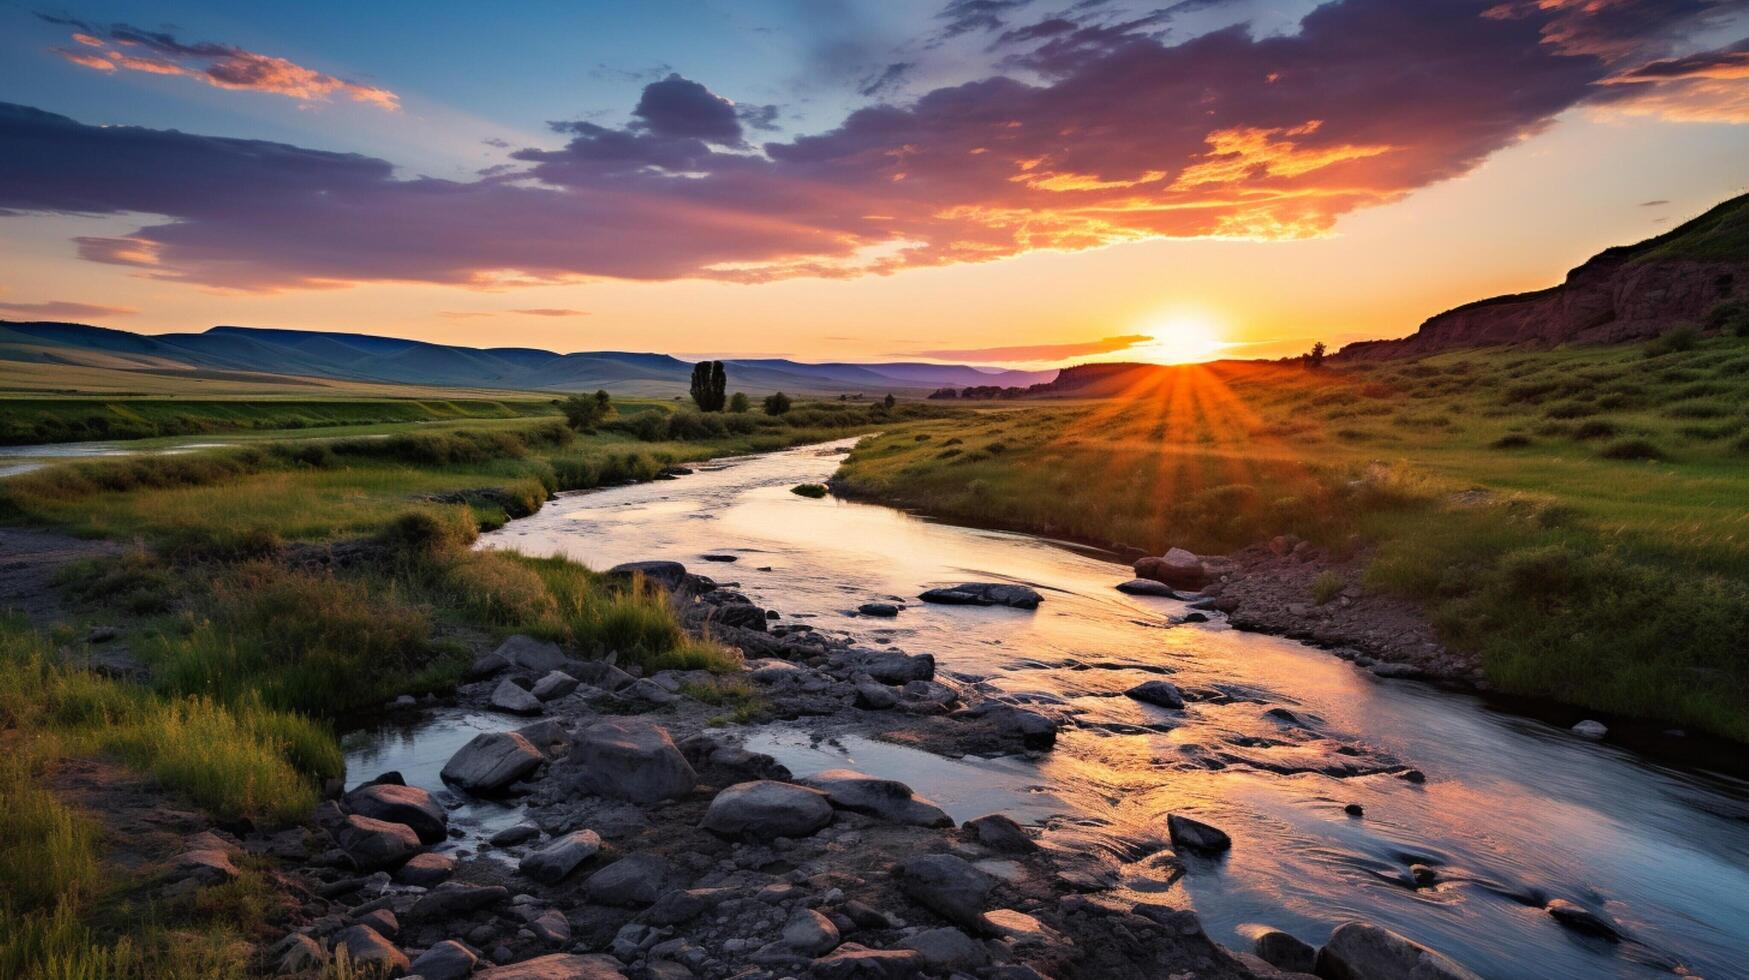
1130, 137
760, 117
886, 80
967, 16
1035, 352
496, 142
681, 108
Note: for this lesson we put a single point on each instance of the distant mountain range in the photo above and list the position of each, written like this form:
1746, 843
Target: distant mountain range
1625, 293
363, 357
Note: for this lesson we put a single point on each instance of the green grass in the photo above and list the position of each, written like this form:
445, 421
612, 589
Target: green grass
1494, 461
30, 421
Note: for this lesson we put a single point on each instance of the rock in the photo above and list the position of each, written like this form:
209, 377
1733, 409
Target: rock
557, 966
721, 558
948, 886
770, 671
1581, 919
1363, 951
548, 735
302, 954
1001, 833
1147, 586
374, 844
1177, 568
854, 962
1193, 617
884, 609
552, 863
985, 594
865, 916
1395, 670
886, 799
948, 948
426, 870
599, 673
1163, 694
102, 634
530, 654
667, 574
554, 684
383, 921
491, 761
1591, 729
552, 927
522, 833
205, 866
875, 696
455, 898
1016, 927
1284, 951
893, 667
366, 948
1424, 876
633, 760
632, 881
1194, 835
648, 691
685, 904
810, 933
766, 808
1034, 730
510, 696
447, 960
401, 804
484, 666
1354, 810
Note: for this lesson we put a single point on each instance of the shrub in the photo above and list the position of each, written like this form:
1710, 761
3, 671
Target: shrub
1679, 338
813, 490
1632, 449
1595, 429
1327, 586
740, 403
429, 532
777, 403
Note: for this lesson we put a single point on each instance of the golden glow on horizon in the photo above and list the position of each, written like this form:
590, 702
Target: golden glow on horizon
1181, 338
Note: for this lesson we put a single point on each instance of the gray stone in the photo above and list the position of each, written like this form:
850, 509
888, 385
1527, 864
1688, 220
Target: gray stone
684, 905
552, 863
1284, 951
632, 760
667, 574
448, 960
894, 667
551, 926
485, 665
1590, 728
948, 948
632, 881
205, 866
374, 844
1017, 928
426, 870
557, 966
810, 933
383, 921
530, 654
948, 886
1363, 951
885, 609
548, 735
555, 684
765, 808
491, 761
510, 696
1000, 833
985, 594
366, 948
1034, 730
1194, 835
855, 962
455, 898
647, 690
1162, 694
1147, 586
302, 954
1177, 568
886, 799
522, 833
401, 804
875, 696
599, 673
1581, 919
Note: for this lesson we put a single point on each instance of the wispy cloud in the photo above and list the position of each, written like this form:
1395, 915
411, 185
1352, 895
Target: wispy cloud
1036, 352
120, 47
64, 309
545, 311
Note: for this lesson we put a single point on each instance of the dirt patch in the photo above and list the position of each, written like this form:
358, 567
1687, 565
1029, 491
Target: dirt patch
29, 562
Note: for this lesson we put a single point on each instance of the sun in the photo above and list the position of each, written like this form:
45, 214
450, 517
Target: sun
1182, 338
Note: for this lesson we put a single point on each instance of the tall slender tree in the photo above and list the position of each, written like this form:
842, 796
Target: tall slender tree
719, 386
709, 386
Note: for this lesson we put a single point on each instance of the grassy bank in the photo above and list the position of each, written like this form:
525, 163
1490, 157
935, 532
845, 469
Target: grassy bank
274, 590
1576, 517
33, 421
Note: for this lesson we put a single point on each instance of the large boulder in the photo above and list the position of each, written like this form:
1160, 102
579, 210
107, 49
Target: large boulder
456, 898
1177, 568
426, 870
1363, 951
514, 698
490, 762
367, 949
1194, 835
375, 844
1147, 586
1001, 833
531, 655
765, 808
887, 799
633, 760
448, 960
558, 966
810, 933
947, 885
985, 594
554, 684
853, 961
560, 857
632, 881
1034, 730
401, 804
893, 666
667, 574
1164, 694
948, 949
600, 673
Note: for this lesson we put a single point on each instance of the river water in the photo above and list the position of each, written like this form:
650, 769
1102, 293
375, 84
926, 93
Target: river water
1513, 812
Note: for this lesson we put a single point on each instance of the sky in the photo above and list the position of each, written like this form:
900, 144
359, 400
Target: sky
1019, 182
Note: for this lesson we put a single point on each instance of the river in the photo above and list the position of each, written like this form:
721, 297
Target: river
1513, 811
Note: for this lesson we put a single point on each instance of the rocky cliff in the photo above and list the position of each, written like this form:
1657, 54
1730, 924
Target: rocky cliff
1630, 292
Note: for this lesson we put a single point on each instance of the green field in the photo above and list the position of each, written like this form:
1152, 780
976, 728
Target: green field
33, 421
1579, 517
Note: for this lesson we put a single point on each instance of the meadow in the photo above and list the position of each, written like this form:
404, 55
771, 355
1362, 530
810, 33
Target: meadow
278, 590
1579, 518
33, 421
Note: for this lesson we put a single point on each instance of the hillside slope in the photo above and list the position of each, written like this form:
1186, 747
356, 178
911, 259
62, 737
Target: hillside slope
1625, 293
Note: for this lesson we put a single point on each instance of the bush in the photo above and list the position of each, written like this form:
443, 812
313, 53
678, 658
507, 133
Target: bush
420, 535
777, 403
1327, 586
1595, 429
740, 403
1632, 449
1674, 340
813, 490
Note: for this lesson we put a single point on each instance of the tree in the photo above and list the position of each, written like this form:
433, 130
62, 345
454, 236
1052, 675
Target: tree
1315, 357
776, 404
584, 412
889, 401
709, 382
740, 403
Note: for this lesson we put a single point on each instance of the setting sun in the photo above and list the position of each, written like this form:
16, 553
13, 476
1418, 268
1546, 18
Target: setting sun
1181, 339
